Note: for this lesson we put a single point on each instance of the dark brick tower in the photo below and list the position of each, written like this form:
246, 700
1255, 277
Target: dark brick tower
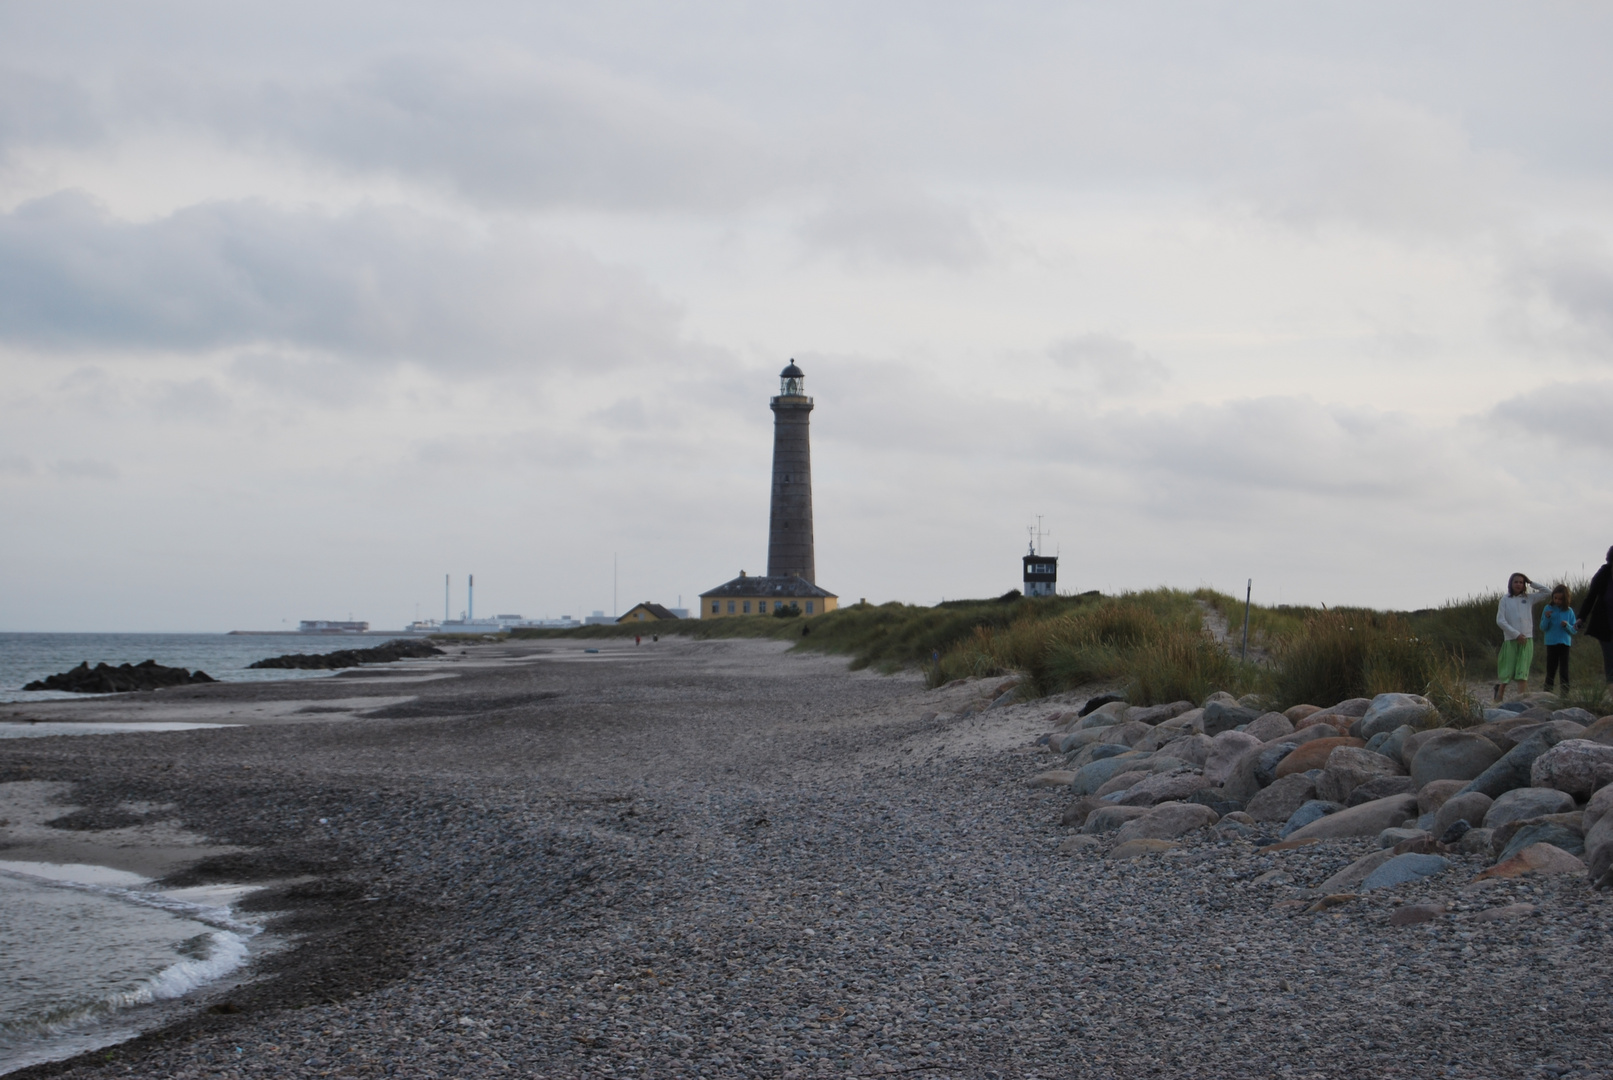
789, 537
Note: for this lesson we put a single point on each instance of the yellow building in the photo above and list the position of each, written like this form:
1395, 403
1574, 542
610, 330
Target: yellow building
746, 595
647, 612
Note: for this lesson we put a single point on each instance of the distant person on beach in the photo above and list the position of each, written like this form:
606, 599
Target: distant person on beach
1557, 620
1596, 613
1515, 617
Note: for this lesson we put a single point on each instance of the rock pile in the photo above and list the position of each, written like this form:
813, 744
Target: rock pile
103, 678
397, 649
1530, 790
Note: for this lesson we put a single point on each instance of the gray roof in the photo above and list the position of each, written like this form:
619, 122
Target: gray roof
783, 587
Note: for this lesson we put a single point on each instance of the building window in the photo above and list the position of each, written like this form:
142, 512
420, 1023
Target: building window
730, 607
809, 607
714, 607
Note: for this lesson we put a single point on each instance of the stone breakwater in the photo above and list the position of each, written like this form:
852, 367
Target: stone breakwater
1527, 793
103, 678
391, 652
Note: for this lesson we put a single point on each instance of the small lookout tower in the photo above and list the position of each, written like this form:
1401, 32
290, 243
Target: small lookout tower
1041, 571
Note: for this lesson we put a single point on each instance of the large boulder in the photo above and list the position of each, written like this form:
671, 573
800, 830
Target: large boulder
1521, 804
1395, 744
1514, 769
1164, 787
1577, 766
1598, 825
1600, 806
1120, 783
1167, 821
1432, 795
1254, 770
1470, 808
1157, 714
1557, 833
1389, 711
1582, 717
1341, 716
1368, 819
1076, 813
1600, 732
1279, 801
1379, 787
1307, 734
1193, 749
1536, 859
1350, 878
1348, 767
1297, 713
1127, 733
1312, 755
1309, 812
1106, 715
1565, 729
1161, 735
1219, 717
1109, 818
1453, 755
1414, 742
1089, 778
1269, 726
1403, 870
1225, 750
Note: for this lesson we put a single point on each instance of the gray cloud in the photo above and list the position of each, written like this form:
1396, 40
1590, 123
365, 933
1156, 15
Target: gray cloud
886, 224
1570, 415
1573, 272
498, 128
375, 284
1112, 364
1381, 164
37, 109
85, 469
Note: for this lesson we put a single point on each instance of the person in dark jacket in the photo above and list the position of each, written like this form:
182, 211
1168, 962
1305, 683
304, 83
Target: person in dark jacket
1596, 613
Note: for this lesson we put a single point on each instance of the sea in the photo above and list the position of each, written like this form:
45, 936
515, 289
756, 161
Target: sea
26, 657
89, 955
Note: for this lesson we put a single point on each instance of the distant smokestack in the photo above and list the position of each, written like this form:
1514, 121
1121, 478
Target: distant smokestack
445, 580
470, 600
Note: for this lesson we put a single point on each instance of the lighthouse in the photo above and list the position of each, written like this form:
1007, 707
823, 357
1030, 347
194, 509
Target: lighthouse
790, 585
789, 527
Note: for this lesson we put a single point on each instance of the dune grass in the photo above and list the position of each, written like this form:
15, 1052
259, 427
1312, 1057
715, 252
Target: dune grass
1154, 644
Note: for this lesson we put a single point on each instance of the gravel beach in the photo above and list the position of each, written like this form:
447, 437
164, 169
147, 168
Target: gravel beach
721, 859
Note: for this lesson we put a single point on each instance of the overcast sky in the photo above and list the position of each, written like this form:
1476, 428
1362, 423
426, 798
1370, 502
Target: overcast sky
303, 306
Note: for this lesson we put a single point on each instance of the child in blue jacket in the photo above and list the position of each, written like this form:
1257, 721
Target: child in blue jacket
1557, 620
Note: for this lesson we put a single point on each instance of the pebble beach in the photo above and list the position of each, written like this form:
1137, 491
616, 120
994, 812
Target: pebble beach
721, 859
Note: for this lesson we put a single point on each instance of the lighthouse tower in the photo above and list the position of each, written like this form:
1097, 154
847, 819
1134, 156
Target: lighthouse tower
790, 585
789, 529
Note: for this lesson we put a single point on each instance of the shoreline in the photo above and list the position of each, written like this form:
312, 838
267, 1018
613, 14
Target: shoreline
719, 855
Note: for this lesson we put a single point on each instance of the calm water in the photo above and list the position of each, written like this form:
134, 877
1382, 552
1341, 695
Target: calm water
85, 953
26, 657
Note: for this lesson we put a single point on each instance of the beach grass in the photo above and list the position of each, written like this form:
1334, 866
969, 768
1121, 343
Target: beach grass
1155, 645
